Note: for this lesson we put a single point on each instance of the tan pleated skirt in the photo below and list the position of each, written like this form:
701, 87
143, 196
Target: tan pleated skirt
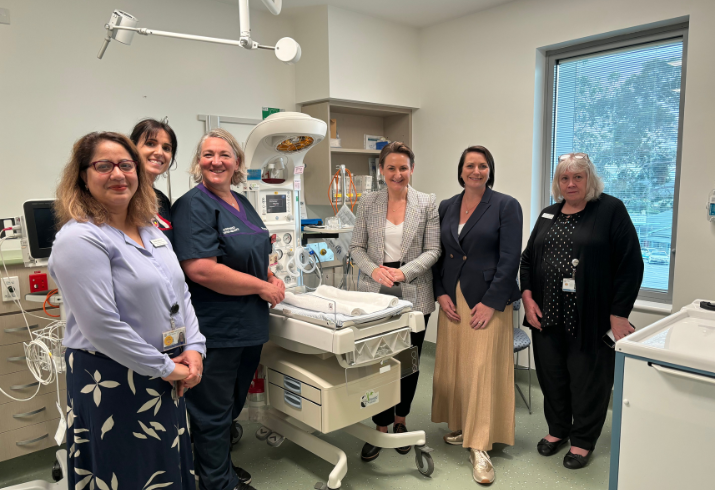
474, 377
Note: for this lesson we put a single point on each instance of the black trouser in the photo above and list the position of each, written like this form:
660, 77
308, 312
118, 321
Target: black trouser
576, 384
408, 386
227, 375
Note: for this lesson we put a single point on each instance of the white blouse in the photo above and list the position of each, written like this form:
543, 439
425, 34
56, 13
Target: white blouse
393, 241
459, 229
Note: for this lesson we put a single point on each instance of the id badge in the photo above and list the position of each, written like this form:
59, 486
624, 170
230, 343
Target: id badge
272, 259
569, 285
174, 338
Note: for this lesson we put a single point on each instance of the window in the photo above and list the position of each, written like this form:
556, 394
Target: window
621, 103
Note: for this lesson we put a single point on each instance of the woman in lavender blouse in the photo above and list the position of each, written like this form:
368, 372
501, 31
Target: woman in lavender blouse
126, 300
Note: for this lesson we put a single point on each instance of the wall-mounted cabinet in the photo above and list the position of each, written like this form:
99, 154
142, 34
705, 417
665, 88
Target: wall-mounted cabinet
354, 121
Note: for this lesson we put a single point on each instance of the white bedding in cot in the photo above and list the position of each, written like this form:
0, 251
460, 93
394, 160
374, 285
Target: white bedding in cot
340, 319
330, 300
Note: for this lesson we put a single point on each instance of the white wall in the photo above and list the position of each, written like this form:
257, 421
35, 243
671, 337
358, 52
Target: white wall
373, 60
356, 57
53, 89
479, 87
312, 72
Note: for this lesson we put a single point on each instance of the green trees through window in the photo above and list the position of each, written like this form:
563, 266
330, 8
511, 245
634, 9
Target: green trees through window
622, 107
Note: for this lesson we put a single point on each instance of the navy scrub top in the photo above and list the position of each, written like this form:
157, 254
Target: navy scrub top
206, 226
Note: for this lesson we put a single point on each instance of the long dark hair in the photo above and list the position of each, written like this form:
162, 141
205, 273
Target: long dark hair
487, 155
149, 129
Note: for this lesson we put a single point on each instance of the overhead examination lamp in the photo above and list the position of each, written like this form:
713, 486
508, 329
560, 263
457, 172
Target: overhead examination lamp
122, 26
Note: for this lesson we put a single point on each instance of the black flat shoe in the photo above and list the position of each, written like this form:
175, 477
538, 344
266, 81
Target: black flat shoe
369, 452
243, 475
399, 429
547, 448
243, 486
576, 462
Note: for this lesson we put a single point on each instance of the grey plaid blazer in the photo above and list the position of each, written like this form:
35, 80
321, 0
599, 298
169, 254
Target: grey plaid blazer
420, 244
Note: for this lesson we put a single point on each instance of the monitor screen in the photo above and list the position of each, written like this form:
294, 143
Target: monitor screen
45, 224
41, 227
276, 203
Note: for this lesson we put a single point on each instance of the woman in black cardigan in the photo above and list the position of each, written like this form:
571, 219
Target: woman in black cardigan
580, 276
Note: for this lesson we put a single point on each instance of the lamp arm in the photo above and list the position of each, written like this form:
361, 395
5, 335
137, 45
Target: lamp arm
153, 32
244, 20
107, 38
273, 6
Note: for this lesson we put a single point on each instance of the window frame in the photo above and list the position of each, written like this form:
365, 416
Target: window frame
671, 32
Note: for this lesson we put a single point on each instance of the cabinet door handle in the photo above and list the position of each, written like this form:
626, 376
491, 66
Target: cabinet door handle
31, 441
292, 384
683, 374
28, 414
19, 358
293, 400
19, 329
22, 387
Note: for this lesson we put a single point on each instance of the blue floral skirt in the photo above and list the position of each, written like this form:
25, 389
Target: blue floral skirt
124, 430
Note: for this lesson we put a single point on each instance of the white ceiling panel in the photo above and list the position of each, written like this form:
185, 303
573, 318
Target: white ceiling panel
417, 13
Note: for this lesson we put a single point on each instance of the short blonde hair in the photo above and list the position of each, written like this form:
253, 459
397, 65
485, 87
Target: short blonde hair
74, 201
577, 162
240, 174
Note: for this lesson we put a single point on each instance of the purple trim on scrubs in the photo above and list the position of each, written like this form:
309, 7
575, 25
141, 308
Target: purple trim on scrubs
240, 214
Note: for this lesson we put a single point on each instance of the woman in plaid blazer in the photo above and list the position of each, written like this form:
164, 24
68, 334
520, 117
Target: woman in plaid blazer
395, 244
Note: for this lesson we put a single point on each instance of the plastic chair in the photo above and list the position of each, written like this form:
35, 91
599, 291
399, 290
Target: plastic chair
521, 342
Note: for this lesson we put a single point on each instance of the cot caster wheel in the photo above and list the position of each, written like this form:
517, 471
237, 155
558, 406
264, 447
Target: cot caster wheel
423, 460
236, 432
323, 486
262, 433
57, 471
275, 439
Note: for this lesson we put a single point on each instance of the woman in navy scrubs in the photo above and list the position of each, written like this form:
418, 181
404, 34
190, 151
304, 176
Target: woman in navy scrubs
223, 247
156, 142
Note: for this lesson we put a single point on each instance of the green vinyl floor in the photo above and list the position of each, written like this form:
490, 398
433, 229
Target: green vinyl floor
291, 467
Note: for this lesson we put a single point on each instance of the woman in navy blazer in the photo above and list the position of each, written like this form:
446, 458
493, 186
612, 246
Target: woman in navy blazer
475, 285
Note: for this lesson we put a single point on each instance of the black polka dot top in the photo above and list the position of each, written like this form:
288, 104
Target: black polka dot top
560, 306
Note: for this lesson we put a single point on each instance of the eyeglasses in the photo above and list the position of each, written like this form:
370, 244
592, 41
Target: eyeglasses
574, 155
105, 166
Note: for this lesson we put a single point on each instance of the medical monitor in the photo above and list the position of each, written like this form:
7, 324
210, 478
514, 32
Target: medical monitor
38, 230
276, 203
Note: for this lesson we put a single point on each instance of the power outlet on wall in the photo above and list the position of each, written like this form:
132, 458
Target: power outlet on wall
10, 288
7, 223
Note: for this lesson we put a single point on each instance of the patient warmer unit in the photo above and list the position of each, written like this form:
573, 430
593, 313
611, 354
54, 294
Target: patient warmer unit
328, 372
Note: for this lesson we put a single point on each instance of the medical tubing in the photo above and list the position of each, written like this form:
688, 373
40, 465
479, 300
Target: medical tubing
47, 303
303, 267
25, 314
14, 299
353, 196
41, 345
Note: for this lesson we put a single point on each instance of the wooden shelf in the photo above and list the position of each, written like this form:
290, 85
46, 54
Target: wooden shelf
354, 120
355, 151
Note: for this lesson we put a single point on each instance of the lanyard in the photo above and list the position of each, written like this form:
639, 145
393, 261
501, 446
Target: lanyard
173, 311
